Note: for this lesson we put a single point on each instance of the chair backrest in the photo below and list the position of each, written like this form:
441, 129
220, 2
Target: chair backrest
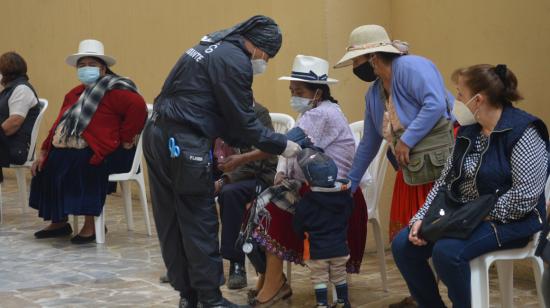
43, 105
136, 164
282, 123
373, 180
357, 131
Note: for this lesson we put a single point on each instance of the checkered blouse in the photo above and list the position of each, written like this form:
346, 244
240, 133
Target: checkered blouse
529, 164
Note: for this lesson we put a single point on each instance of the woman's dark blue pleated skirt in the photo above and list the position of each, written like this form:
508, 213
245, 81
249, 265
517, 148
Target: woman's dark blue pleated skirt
69, 185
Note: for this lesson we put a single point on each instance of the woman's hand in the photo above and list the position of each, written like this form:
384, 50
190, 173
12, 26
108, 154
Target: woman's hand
402, 153
38, 163
413, 234
218, 185
279, 177
127, 145
231, 163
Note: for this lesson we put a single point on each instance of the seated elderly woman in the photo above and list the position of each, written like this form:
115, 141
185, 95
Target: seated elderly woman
501, 157
97, 117
18, 110
322, 120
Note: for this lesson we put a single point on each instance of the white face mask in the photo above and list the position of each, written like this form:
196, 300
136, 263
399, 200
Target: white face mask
300, 104
258, 66
463, 114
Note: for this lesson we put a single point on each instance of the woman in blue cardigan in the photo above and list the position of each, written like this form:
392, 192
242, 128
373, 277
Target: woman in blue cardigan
407, 93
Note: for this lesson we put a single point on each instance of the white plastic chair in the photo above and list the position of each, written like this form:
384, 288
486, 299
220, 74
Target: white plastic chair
20, 169
134, 175
372, 185
282, 123
504, 259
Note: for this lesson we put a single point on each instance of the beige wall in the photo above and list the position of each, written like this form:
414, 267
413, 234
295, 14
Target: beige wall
148, 36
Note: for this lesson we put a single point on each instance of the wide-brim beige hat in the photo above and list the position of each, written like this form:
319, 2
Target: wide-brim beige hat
90, 48
310, 69
364, 40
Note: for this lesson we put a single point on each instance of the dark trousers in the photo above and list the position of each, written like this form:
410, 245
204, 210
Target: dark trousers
4, 153
451, 259
187, 225
546, 286
232, 199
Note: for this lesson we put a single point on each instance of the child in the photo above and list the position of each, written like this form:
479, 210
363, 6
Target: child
323, 213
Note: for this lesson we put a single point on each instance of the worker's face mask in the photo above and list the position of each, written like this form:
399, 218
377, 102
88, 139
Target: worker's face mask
258, 65
88, 74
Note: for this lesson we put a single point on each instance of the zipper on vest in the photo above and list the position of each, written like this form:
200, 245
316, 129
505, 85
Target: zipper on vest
496, 233
461, 162
538, 215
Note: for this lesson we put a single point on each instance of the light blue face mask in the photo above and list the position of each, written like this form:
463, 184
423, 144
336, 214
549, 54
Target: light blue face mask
300, 104
88, 74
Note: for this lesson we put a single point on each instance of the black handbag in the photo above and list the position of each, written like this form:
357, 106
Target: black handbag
448, 217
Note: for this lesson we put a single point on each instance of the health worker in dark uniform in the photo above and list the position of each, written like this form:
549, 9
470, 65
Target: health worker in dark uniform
208, 94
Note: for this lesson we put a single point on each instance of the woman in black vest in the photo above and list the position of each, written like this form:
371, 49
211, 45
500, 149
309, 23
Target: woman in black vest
18, 110
498, 148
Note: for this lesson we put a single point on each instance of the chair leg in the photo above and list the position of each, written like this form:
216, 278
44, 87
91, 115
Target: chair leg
538, 269
127, 197
75, 224
143, 200
505, 270
99, 223
381, 253
479, 283
1, 201
289, 273
22, 185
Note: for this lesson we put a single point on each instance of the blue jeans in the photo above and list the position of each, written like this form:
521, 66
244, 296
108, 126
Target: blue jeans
451, 259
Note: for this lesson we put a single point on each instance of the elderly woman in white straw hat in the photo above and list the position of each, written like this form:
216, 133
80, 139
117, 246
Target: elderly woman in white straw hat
97, 117
406, 102
322, 120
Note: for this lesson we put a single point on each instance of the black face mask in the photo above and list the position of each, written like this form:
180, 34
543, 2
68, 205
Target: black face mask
365, 72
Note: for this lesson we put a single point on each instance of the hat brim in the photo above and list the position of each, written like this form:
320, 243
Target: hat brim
347, 59
73, 59
328, 81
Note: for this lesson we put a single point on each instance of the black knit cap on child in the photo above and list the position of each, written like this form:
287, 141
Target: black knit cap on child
318, 168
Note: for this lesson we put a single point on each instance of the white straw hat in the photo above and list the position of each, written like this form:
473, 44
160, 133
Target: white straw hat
310, 69
364, 40
90, 48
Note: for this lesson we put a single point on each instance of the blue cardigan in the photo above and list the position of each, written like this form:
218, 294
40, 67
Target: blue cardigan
420, 99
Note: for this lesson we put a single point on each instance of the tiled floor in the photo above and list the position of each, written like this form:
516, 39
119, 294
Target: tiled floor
125, 270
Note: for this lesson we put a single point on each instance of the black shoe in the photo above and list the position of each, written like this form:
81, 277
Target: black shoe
214, 299
78, 239
59, 232
237, 276
407, 302
186, 303
222, 303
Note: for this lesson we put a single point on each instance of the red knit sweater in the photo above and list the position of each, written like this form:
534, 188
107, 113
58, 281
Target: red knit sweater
119, 118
